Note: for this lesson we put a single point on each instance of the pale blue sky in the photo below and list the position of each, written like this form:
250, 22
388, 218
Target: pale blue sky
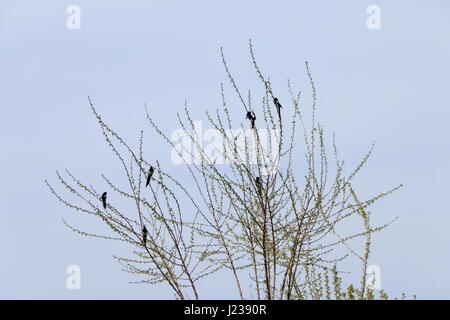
390, 85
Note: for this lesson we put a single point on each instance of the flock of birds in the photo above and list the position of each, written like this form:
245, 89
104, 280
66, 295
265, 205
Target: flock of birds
144, 229
250, 116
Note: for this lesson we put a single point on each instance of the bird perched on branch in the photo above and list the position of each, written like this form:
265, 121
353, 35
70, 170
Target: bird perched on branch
149, 175
278, 105
258, 184
104, 200
144, 236
252, 117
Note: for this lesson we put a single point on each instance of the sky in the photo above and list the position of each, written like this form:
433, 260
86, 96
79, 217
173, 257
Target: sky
388, 84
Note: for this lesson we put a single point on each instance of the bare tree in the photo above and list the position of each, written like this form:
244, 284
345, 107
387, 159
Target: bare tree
261, 216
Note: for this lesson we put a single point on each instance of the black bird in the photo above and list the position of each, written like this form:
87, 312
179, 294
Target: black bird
149, 176
144, 235
252, 117
258, 184
278, 105
104, 200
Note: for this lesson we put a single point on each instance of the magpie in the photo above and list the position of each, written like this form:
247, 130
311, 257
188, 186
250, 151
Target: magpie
104, 200
252, 117
258, 184
149, 176
278, 105
144, 235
